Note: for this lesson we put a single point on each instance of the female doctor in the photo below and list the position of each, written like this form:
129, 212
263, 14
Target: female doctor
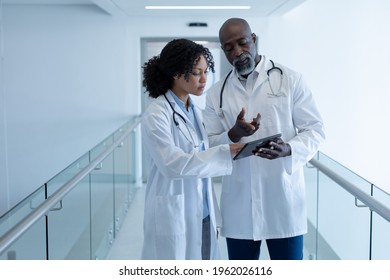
181, 214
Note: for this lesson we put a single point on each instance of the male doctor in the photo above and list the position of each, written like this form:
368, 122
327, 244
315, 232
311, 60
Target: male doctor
264, 197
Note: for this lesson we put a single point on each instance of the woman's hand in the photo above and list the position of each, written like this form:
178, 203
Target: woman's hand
235, 148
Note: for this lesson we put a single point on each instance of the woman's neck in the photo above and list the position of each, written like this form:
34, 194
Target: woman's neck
183, 97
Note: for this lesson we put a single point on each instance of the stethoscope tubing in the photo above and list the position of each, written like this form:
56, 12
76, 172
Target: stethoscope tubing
192, 140
227, 76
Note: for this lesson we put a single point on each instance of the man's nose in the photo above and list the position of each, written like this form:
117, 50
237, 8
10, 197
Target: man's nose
237, 51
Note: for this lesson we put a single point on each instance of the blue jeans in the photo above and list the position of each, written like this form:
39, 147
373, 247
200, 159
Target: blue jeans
279, 249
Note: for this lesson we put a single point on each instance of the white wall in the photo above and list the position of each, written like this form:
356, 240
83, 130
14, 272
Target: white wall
65, 85
342, 48
3, 148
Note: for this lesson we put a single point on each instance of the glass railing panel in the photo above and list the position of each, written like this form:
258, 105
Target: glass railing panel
380, 229
346, 173
343, 227
69, 221
381, 195
122, 181
23, 248
132, 141
134, 164
310, 239
346, 229
102, 202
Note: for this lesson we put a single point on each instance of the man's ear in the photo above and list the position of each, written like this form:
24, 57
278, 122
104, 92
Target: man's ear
254, 38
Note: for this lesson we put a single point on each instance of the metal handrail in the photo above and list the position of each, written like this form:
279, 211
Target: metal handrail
368, 200
19, 229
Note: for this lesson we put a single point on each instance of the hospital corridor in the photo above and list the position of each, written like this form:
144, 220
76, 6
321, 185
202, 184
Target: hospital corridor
73, 151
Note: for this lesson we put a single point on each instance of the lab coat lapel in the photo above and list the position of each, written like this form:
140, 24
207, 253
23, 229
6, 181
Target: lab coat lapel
199, 119
260, 68
185, 127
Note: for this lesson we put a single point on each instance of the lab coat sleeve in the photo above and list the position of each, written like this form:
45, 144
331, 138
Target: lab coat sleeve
217, 132
159, 134
310, 132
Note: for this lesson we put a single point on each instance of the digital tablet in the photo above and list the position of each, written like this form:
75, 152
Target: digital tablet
246, 151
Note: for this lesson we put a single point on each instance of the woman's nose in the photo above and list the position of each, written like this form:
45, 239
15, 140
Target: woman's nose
203, 78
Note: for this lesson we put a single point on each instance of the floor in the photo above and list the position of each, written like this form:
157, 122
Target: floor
127, 244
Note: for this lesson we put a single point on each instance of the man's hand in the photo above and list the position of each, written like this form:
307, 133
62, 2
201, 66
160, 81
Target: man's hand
242, 128
276, 150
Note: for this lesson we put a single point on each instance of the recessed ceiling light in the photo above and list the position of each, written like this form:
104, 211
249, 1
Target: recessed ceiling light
197, 7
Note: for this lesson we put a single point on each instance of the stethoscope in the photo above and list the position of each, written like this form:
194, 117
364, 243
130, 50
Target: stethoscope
272, 93
174, 114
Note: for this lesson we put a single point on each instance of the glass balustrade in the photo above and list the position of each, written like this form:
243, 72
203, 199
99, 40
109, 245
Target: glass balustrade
84, 223
341, 227
68, 222
32, 244
380, 248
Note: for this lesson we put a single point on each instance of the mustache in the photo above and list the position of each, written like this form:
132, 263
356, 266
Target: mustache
241, 58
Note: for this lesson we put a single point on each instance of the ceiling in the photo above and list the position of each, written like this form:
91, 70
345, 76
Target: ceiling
259, 8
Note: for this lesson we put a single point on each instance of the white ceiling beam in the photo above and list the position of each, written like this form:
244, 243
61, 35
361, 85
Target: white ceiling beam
109, 7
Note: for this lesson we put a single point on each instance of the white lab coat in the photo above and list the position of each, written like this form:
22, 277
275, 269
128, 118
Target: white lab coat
173, 202
265, 199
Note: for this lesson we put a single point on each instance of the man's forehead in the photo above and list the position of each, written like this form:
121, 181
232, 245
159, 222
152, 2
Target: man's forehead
234, 31
233, 37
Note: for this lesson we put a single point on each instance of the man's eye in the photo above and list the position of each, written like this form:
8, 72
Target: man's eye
243, 42
227, 48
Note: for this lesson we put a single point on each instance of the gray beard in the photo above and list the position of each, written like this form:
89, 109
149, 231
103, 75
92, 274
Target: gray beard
246, 69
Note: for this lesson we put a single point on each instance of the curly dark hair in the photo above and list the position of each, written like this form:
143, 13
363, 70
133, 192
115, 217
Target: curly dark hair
177, 58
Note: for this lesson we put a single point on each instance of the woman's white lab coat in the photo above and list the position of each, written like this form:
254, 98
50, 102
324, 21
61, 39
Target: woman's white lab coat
173, 202
265, 199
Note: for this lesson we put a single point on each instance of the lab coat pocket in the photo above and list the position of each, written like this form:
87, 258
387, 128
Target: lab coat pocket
276, 112
169, 213
277, 102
